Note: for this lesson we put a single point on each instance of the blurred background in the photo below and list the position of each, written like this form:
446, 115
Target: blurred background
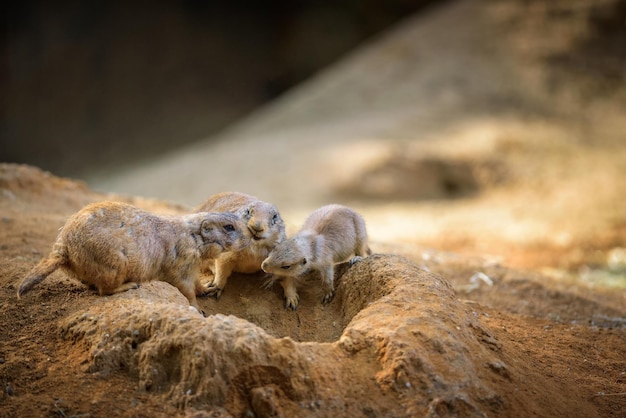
104, 83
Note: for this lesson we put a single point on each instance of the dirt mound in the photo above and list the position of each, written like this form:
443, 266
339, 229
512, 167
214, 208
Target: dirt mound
413, 341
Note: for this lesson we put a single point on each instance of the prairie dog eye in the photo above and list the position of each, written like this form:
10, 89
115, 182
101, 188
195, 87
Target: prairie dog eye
303, 261
285, 267
229, 227
247, 213
274, 219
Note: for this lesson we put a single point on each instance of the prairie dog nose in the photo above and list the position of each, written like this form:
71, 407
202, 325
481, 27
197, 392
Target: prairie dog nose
257, 227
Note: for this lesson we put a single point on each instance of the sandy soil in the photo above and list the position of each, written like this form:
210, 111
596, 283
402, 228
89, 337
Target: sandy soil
470, 338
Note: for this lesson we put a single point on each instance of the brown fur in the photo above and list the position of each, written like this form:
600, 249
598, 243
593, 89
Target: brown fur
113, 246
330, 235
265, 229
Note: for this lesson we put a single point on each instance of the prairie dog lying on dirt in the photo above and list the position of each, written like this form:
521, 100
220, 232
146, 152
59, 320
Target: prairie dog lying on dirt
113, 246
265, 229
330, 235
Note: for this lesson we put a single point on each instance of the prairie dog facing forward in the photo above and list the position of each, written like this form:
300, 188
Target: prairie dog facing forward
113, 246
264, 230
330, 235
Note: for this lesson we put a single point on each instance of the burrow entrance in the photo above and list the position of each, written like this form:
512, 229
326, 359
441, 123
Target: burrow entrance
245, 297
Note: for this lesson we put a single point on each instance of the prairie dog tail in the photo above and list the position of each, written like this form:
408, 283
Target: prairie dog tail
42, 270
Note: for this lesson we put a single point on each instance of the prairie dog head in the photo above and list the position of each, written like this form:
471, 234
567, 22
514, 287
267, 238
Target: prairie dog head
289, 258
263, 222
220, 232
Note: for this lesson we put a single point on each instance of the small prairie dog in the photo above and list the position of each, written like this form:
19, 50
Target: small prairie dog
113, 246
265, 229
331, 234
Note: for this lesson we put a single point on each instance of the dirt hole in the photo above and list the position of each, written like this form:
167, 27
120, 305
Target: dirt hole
245, 298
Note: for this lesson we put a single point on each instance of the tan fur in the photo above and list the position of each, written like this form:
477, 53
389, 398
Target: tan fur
331, 234
113, 246
265, 229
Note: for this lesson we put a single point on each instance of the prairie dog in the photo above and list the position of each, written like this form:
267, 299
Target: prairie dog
265, 229
113, 246
330, 235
